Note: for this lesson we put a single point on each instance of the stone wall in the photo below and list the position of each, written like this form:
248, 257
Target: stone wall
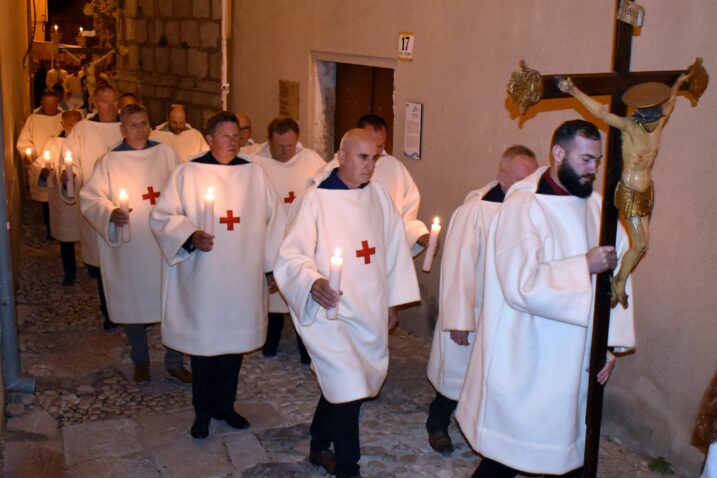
173, 55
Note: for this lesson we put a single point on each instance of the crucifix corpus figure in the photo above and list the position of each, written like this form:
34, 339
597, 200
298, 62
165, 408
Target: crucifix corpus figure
653, 102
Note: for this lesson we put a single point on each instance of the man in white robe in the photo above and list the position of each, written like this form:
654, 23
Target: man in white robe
394, 176
176, 132
246, 144
131, 270
345, 210
213, 296
523, 402
89, 141
64, 216
40, 126
289, 166
461, 291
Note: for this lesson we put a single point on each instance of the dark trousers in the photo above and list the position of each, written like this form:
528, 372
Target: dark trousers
488, 468
273, 335
338, 423
439, 413
69, 262
94, 272
214, 384
46, 217
139, 348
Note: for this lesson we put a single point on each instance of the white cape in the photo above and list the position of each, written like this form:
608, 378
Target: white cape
187, 144
214, 303
349, 354
130, 270
289, 179
65, 216
36, 132
523, 401
461, 291
88, 142
393, 175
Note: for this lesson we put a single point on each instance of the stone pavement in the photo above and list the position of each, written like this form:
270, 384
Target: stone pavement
88, 418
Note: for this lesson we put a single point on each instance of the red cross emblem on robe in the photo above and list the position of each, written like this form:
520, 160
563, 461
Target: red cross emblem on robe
290, 198
365, 252
151, 195
229, 220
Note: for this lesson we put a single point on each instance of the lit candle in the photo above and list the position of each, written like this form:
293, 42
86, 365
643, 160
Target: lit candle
335, 267
208, 226
124, 206
56, 27
70, 176
47, 160
28, 156
432, 242
81, 30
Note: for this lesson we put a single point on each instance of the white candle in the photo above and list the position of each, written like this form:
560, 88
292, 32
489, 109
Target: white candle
55, 27
432, 242
70, 175
28, 156
335, 267
124, 206
208, 225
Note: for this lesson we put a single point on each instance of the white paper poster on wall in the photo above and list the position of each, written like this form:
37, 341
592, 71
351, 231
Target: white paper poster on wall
412, 136
405, 46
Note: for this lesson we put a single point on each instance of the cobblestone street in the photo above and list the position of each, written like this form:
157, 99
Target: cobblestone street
88, 418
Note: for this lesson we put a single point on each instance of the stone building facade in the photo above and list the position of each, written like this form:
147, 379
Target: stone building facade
171, 54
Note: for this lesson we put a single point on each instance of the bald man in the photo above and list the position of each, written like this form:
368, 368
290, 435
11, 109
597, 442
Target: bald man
344, 210
176, 132
461, 289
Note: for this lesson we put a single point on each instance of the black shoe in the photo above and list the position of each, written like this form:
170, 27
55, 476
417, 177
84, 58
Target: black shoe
109, 326
323, 458
200, 428
68, 281
268, 351
440, 441
233, 419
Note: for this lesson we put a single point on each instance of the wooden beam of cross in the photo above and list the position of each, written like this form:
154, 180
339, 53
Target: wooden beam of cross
529, 87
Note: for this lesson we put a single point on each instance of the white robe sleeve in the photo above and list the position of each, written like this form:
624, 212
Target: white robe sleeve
97, 206
401, 273
296, 271
275, 225
531, 283
458, 287
169, 224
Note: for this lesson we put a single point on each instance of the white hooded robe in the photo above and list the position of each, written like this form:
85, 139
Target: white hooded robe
289, 179
88, 142
36, 132
461, 291
187, 144
130, 270
214, 303
65, 215
523, 401
350, 354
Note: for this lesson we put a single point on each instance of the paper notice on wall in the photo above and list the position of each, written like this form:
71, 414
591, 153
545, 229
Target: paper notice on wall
412, 136
289, 99
405, 46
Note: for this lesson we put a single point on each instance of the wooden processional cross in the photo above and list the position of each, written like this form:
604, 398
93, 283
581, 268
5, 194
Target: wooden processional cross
611, 84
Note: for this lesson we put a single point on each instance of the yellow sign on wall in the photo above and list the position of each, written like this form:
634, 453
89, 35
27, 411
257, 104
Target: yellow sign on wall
405, 46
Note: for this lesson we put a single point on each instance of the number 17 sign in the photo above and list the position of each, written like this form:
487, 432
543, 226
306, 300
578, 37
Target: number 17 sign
405, 46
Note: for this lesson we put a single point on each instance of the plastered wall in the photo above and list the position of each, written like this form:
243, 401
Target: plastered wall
464, 54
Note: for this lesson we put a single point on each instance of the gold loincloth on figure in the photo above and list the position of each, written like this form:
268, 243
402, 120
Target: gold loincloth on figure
633, 203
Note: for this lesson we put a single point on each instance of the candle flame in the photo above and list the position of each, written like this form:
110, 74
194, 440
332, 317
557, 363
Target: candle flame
123, 195
28, 152
210, 194
81, 29
56, 27
337, 252
46, 155
436, 221
68, 156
